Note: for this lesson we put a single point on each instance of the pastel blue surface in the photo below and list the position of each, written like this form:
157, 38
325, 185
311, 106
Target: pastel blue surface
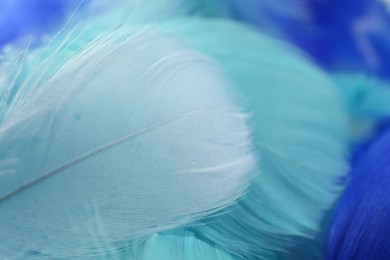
360, 228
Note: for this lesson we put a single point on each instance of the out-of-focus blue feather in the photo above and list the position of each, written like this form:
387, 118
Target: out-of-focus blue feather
360, 228
110, 136
347, 35
366, 96
340, 35
367, 100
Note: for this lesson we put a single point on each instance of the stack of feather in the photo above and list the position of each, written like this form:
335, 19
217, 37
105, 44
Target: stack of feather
194, 129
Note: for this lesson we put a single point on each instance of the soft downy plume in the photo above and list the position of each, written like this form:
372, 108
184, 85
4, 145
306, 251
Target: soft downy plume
360, 228
111, 136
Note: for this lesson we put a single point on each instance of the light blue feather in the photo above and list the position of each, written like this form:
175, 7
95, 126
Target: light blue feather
127, 135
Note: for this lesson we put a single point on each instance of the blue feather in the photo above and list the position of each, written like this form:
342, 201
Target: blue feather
341, 35
360, 228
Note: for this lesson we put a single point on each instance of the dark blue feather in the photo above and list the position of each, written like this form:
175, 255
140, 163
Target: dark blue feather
361, 228
340, 35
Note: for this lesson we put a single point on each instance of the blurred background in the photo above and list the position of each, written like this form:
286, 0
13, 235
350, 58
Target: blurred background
340, 35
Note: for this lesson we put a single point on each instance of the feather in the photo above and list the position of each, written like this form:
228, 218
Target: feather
344, 35
274, 16
124, 136
366, 96
367, 99
177, 245
360, 227
300, 135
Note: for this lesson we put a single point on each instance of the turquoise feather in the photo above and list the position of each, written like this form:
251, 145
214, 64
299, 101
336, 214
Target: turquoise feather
178, 245
300, 135
367, 100
366, 96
